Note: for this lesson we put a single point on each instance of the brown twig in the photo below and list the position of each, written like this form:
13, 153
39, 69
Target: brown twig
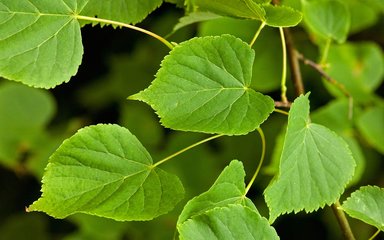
328, 78
283, 104
343, 222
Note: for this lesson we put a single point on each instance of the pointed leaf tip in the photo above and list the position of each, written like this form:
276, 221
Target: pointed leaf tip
104, 170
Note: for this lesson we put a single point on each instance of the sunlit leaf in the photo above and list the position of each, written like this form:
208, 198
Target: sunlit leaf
371, 126
367, 205
195, 17
104, 170
281, 16
231, 222
203, 86
327, 18
315, 166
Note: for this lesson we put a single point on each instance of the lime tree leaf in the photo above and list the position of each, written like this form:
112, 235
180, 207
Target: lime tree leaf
370, 125
127, 11
359, 67
40, 42
327, 18
24, 114
194, 17
203, 86
231, 222
235, 8
281, 16
367, 205
229, 188
104, 170
315, 166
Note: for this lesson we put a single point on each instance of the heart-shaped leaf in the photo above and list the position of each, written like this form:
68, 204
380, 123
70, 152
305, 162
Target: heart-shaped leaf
104, 170
203, 86
315, 166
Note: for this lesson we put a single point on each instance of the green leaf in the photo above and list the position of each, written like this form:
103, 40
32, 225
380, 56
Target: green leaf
327, 18
194, 17
370, 125
104, 170
235, 8
40, 41
359, 67
232, 222
315, 166
229, 188
281, 16
24, 113
126, 11
367, 204
203, 86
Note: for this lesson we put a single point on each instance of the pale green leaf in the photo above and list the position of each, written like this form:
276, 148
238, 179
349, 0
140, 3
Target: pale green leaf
367, 205
194, 17
235, 8
229, 188
203, 86
315, 166
327, 18
231, 222
40, 41
126, 11
104, 170
359, 67
371, 126
281, 16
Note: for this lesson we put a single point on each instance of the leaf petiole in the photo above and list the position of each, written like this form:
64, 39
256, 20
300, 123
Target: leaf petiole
284, 74
261, 133
186, 149
262, 25
375, 234
120, 24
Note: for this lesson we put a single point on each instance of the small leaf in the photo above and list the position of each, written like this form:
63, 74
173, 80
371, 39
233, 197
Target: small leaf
234, 8
370, 125
367, 205
228, 189
203, 86
315, 166
104, 170
232, 222
40, 42
194, 17
281, 16
327, 18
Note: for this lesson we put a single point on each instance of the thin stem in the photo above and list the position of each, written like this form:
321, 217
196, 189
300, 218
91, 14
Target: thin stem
260, 163
343, 222
281, 111
375, 234
284, 74
294, 64
324, 55
340, 86
185, 149
106, 21
257, 34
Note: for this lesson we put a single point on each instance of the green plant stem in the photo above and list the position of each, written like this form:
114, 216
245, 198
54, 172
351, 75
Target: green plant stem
324, 55
375, 234
261, 133
106, 21
343, 222
262, 25
185, 149
281, 111
284, 74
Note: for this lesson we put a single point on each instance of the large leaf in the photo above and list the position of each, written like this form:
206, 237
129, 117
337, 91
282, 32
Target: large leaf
224, 209
231, 222
203, 85
327, 18
104, 170
40, 41
315, 166
229, 188
359, 67
367, 204
235, 8
370, 125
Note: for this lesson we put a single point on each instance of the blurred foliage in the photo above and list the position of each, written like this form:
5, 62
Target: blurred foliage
118, 63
